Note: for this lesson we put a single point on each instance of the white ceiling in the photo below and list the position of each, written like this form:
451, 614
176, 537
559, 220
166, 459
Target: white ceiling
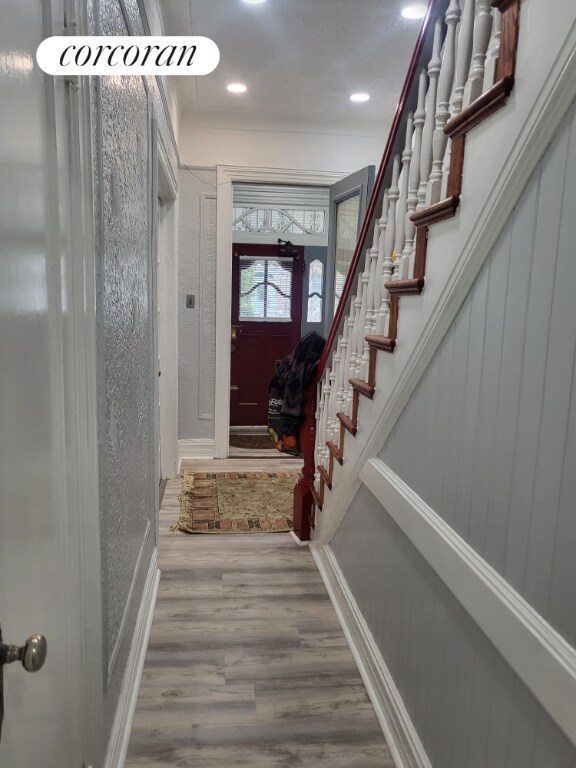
301, 60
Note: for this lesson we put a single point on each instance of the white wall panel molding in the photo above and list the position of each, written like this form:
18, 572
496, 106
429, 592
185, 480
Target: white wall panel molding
195, 449
206, 314
225, 176
122, 726
128, 605
542, 659
399, 731
517, 137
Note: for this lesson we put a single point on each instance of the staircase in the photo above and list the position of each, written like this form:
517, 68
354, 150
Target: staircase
462, 71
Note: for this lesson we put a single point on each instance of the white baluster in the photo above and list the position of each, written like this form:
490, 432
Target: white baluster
320, 439
347, 409
341, 380
356, 348
493, 54
430, 121
482, 31
363, 349
332, 422
324, 452
414, 180
389, 240
378, 276
463, 59
403, 201
445, 83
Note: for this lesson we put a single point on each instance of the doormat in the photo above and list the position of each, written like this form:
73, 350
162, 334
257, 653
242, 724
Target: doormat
255, 442
236, 502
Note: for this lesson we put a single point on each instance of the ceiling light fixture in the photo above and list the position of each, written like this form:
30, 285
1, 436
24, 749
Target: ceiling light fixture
254, 2
360, 97
417, 11
236, 88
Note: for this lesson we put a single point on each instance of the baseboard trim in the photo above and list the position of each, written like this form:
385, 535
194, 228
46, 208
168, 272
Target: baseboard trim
538, 654
122, 725
401, 735
195, 449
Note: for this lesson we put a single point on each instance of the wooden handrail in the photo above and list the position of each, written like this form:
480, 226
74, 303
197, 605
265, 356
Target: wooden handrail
378, 184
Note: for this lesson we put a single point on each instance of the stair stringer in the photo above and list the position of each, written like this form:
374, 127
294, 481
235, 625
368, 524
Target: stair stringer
501, 155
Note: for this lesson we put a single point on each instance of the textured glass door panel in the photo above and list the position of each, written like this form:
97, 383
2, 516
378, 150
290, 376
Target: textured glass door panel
346, 234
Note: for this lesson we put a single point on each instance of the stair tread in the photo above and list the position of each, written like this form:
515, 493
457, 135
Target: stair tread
347, 422
413, 286
326, 477
363, 387
445, 209
384, 343
335, 451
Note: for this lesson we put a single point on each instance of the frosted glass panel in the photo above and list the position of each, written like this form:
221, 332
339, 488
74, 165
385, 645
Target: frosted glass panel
346, 236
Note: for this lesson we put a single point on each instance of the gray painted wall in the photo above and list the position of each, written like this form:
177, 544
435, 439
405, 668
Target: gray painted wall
489, 437
469, 707
122, 112
489, 441
197, 327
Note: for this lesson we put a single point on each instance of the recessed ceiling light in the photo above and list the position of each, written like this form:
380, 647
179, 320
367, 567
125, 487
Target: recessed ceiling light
236, 88
360, 97
254, 2
417, 11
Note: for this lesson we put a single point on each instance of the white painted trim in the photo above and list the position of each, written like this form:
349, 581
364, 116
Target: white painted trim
195, 449
225, 176
204, 414
397, 726
122, 725
518, 136
297, 540
542, 659
128, 604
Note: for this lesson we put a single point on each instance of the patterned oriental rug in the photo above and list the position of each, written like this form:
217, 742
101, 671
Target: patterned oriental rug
236, 502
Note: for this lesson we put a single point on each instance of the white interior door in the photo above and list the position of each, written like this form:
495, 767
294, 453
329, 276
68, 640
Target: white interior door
44, 437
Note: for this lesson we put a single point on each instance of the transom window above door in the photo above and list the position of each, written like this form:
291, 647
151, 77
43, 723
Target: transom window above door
265, 288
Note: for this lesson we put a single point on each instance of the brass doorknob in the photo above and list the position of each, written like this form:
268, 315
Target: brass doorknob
32, 654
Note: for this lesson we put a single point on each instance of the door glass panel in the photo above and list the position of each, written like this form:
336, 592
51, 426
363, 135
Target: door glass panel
346, 235
265, 288
315, 291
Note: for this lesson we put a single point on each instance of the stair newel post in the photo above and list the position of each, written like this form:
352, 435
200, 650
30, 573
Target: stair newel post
493, 54
482, 31
303, 500
445, 83
414, 180
403, 200
430, 120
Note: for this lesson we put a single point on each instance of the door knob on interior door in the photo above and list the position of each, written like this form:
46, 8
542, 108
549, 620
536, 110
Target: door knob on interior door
32, 654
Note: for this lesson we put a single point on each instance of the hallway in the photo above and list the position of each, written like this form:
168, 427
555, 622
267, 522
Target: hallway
247, 664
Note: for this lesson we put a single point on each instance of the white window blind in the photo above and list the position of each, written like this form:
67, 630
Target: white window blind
265, 288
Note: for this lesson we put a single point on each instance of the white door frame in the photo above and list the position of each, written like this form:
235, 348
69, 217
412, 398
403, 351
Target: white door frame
226, 175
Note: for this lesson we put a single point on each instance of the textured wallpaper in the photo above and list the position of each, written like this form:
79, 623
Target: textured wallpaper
121, 113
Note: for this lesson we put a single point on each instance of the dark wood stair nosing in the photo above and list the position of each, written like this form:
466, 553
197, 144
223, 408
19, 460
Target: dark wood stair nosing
432, 214
335, 451
316, 497
347, 423
411, 287
363, 388
384, 343
325, 476
481, 108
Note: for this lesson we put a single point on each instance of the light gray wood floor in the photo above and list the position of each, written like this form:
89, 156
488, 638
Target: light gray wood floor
247, 664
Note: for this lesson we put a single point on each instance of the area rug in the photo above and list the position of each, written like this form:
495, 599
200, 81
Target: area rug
255, 441
236, 502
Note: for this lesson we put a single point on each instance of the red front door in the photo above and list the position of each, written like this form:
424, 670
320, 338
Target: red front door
266, 317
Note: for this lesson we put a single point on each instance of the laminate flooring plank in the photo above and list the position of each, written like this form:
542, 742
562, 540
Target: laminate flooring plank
247, 664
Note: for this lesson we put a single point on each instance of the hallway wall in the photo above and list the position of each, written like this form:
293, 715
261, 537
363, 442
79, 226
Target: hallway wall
123, 110
488, 441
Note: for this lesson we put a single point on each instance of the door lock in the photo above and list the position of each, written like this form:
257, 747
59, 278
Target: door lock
32, 656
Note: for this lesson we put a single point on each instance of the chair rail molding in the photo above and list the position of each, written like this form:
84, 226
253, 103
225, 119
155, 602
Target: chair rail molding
538, 654
226, 175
